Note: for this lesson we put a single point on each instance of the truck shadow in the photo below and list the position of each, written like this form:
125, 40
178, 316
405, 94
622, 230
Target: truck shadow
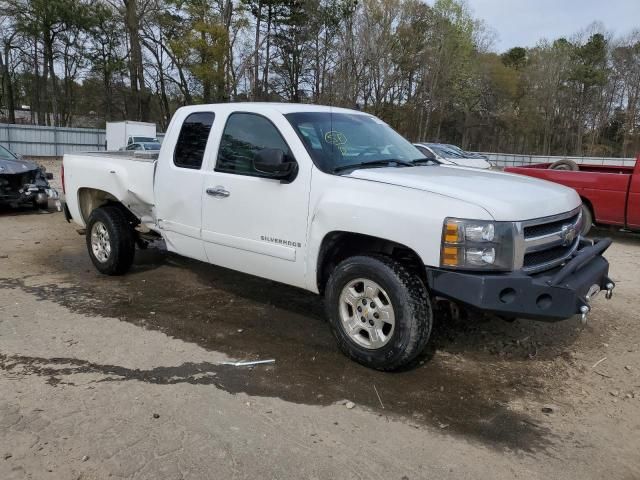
480, 378
489, 338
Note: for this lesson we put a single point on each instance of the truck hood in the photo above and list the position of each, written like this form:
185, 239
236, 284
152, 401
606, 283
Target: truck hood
507, 197
10, 167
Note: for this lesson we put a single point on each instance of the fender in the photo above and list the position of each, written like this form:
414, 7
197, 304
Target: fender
379, 210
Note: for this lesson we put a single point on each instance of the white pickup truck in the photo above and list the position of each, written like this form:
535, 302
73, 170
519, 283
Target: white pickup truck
336, 202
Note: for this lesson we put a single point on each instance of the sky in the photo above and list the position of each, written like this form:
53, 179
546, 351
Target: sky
524, 22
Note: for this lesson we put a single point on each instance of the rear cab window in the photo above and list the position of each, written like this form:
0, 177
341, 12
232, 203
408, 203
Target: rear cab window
192, 140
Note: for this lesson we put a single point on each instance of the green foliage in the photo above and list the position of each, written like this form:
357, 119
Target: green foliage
203, 47
425, 67
515, 57
590, 62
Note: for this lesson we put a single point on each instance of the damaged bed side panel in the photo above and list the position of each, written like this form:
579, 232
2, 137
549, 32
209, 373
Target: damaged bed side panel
112, 177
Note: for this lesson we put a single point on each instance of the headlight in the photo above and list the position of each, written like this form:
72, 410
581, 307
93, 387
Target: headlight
477, 245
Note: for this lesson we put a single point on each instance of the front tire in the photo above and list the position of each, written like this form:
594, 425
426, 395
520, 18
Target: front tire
110, 240
379, 312
587, 220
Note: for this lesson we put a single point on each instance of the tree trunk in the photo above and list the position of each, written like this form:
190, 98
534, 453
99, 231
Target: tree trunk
267, 59
136, 66
224, 65
184, 85
53, 91
256, 56
7, 85
37, 87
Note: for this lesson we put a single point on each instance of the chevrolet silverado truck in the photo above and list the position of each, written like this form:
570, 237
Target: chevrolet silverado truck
336, 202
610, 194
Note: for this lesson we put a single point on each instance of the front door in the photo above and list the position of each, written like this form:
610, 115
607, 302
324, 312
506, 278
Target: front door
251, 223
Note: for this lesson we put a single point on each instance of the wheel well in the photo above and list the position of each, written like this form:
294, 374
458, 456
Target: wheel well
338, 246
589, 205
91, 198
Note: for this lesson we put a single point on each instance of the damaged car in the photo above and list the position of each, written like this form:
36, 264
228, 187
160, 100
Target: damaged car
23, 182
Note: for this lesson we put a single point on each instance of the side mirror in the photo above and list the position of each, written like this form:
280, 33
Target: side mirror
273, 163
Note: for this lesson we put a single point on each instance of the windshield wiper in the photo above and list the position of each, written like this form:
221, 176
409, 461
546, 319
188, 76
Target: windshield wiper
375, 163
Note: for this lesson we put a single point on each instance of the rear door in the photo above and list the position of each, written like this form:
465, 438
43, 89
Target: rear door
179, 180
251, 223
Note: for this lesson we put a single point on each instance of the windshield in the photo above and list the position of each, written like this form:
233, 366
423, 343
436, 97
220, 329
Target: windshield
337, 141
151, 146
6, 154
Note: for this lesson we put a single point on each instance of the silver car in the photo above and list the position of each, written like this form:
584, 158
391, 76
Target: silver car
452, 156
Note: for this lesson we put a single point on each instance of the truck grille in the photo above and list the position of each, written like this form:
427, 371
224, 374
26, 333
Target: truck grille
542, 257
547, 228
548, 242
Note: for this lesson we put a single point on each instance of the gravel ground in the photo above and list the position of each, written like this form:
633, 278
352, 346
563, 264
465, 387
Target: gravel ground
123, 377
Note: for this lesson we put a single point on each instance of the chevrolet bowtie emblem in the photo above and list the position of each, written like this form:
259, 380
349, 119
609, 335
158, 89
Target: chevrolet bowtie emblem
568, 234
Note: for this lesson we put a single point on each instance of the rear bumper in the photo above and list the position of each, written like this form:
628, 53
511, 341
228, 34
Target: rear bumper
552, 295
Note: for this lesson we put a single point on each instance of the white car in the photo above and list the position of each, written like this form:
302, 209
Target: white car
336, 202
448, 156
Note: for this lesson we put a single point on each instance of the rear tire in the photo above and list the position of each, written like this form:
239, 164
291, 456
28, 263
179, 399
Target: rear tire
110, 240
378, 289
587, 220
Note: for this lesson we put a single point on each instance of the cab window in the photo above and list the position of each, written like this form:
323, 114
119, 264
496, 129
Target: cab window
192, 140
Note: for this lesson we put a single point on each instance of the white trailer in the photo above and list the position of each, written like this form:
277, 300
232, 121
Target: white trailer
121, 134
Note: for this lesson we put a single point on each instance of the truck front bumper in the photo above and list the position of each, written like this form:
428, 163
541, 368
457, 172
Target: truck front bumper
553, 295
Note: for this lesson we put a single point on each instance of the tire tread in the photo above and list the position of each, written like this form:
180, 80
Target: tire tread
122, 238
419, 306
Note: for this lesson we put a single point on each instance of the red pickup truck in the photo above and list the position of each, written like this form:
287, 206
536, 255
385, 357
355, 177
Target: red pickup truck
610, 194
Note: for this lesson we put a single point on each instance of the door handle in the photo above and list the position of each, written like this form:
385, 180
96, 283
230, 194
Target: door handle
218, 192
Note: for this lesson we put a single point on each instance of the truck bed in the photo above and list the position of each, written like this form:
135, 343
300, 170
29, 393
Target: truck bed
617, 169
127, 176
606, 189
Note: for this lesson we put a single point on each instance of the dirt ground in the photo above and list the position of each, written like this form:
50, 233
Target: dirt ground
123, 377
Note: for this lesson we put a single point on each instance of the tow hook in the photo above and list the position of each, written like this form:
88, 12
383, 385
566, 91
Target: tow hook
591, 294
584, 311
609, 286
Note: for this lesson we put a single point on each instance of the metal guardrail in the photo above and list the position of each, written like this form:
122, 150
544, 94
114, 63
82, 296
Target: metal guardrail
511, 159
39, 141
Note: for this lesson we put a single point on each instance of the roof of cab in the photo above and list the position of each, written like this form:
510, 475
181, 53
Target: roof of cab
265, 107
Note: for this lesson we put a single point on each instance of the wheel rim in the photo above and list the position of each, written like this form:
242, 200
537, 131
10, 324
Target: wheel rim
366, 313
100, 242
